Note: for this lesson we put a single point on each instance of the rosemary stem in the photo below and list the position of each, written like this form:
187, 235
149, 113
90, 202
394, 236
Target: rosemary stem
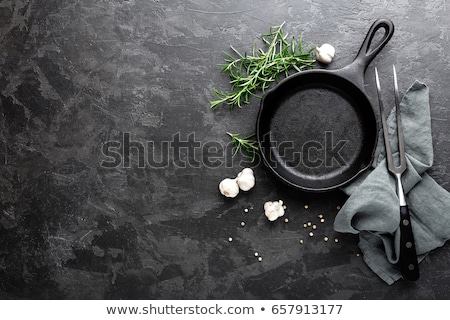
256, 71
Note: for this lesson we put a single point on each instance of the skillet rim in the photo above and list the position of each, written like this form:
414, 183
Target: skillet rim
339, 73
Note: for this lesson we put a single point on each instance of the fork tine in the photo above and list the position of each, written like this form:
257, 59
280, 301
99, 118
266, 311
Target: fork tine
401, 144
397, 98
387, 143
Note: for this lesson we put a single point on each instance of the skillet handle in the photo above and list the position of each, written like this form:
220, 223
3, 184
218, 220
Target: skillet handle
368, 52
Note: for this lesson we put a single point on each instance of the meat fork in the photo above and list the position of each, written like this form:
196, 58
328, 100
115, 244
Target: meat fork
408, 258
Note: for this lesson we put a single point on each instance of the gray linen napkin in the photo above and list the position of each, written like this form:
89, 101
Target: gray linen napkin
372, 209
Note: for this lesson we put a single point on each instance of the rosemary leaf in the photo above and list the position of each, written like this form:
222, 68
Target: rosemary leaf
246, 144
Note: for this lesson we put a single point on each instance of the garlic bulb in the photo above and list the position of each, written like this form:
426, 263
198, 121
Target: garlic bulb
229, 187
246, 179
273, 209
325, 53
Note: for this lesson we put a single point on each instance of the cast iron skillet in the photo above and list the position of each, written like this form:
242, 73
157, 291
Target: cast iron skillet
317, 129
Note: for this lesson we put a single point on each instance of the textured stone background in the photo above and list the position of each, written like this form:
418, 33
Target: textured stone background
75, 74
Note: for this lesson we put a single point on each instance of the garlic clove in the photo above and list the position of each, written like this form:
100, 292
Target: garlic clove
272, 215
325, 53
229, 187
246, 171
245, 179
246, 182
328, 48
273, 209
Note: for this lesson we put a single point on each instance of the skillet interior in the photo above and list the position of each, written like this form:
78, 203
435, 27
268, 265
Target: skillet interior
316, 130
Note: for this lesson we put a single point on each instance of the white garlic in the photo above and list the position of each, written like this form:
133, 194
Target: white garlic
229, 187
273, 209
246, 179
325, 53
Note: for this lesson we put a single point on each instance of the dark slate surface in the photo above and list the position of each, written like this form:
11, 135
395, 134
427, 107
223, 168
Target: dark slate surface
79, 76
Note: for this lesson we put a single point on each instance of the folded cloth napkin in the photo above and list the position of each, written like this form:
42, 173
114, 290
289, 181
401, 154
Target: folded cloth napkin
372, 209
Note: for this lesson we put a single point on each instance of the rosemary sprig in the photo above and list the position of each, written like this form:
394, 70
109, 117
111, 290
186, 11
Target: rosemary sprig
250, 146
250, 73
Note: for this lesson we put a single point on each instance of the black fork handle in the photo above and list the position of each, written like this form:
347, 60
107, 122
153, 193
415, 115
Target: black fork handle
408, 258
